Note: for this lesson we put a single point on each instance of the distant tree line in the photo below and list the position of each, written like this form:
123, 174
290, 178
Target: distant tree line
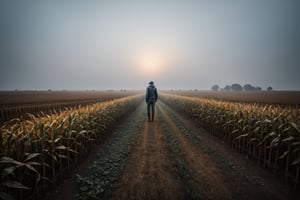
238, 87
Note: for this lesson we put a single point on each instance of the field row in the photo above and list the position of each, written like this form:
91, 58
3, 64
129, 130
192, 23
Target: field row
268, 134
37, 152
18, 104
285, 98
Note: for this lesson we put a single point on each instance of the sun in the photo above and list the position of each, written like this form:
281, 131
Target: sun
150, 66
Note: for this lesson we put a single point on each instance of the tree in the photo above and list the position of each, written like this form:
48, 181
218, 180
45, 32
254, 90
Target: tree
227, 88
215, 87
258, 88
236, 87
269, 88
248, 87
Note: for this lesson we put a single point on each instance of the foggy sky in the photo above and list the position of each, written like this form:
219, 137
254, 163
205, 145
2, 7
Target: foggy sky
103, 44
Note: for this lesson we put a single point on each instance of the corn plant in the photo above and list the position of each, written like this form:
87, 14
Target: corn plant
38, 151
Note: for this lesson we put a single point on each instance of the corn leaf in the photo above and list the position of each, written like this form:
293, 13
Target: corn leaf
7, 160
14, 184
31, 156
242, 136
296, 161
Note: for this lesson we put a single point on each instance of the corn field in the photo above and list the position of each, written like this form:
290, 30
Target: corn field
17, 104
36, 153
8, 112
268, 134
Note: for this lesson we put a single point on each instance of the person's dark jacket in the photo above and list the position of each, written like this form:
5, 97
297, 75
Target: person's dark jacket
151, 94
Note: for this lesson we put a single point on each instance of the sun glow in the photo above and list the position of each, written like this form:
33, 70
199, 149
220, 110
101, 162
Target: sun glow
150, 66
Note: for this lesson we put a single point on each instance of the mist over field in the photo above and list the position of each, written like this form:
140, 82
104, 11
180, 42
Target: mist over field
123, 45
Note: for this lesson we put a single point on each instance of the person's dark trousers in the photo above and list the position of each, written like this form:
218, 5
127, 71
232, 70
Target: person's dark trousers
151, 106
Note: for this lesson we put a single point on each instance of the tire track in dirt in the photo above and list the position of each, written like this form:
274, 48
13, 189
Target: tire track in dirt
148, 173
204, 171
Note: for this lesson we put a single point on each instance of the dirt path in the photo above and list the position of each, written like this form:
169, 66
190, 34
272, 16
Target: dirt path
148, 174
170, 158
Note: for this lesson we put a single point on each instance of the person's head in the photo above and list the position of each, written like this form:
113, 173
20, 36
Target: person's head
151, 83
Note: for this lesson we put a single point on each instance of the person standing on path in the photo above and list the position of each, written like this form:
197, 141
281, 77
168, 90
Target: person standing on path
151, 98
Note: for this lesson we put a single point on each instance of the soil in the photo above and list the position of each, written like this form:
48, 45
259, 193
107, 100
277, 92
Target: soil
174, 158
148, 174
